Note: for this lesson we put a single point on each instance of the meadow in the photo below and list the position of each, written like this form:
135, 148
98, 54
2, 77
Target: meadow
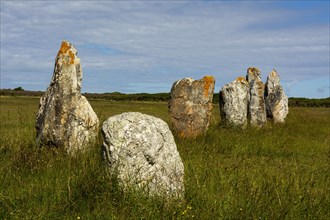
278, 172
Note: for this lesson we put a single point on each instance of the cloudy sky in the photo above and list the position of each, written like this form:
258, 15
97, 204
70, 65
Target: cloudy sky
144, 46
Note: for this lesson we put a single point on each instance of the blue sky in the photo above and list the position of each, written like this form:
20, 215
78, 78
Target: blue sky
144, 46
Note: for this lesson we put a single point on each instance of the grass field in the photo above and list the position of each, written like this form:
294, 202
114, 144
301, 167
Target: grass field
279, 172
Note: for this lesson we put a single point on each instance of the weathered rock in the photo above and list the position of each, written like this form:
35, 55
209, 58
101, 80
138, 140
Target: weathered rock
275, 98
65, 118
253, 73
257, 108
141, 151
234, 98
190, 106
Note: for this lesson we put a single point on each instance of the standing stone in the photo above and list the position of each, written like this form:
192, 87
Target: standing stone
141, 151
190, 106
234, 98
253, 73
275, 98
65, 118
257, 108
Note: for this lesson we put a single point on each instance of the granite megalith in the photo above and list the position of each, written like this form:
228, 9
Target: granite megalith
65, 118
190, 106
234, 99
257, 108
140, 151
275, 98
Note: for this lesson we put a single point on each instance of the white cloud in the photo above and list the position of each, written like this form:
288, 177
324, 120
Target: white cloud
162, 41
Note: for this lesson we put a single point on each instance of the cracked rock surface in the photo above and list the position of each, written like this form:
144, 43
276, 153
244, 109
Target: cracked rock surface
190, 106
65, 118
275, 98
257, 107
234, 98
140, 150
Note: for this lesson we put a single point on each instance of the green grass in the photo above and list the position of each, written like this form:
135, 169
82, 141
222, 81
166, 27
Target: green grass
279, 172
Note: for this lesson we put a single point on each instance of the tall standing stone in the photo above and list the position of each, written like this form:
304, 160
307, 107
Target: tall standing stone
276, 101
65, 118
140, 150
190, 106
257, 108
234, 99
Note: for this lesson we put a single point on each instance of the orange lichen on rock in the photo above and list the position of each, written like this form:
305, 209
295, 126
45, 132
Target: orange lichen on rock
241, 79
208, 80
65, 47
72, 56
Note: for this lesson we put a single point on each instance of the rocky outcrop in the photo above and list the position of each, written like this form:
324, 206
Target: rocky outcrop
257, 108
253, 99
65, 118
234, 98
275, 98
140, 150
190, 106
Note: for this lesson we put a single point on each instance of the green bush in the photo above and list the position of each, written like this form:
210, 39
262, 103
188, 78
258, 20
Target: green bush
19, 89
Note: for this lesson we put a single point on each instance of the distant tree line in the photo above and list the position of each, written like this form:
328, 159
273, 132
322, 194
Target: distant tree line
19, 91
159, 97
305, 102
117, 96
